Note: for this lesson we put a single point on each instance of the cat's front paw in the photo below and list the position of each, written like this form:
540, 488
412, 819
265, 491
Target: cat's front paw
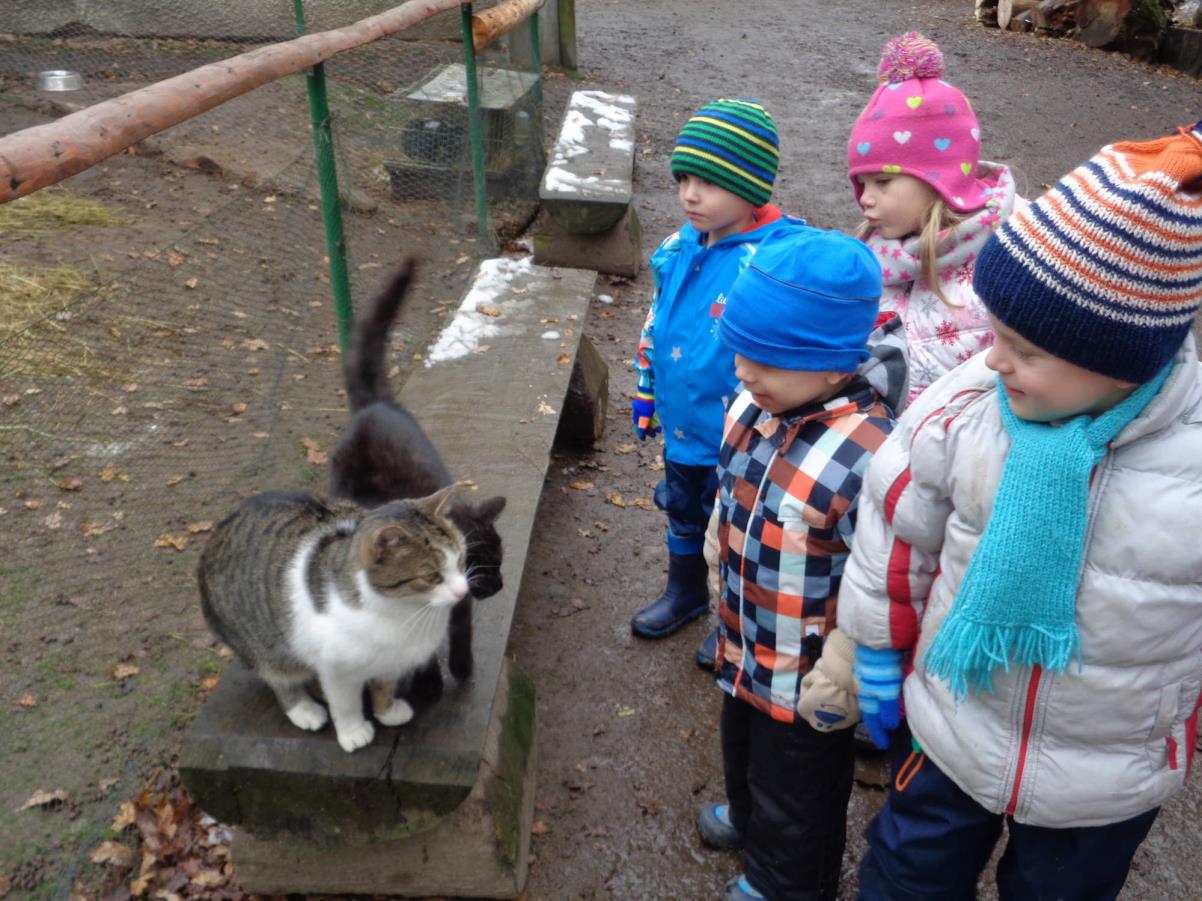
356, 735
308, 715
397, 715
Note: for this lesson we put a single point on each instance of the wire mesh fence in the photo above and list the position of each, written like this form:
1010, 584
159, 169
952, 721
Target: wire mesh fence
168, 345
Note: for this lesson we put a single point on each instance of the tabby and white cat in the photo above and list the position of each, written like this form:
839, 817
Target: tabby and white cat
305, 590
385, 455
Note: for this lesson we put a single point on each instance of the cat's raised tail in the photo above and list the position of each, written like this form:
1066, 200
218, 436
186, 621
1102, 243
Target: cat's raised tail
366, 365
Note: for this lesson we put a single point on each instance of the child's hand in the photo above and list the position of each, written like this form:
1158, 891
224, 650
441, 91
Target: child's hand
646, 423
828, 691
878, 671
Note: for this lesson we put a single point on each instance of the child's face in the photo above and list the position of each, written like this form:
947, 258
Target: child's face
713, 209
1044, 388
777, 390
894, 204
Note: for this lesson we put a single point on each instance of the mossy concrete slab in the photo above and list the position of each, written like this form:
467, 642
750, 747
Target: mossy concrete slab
616, 251
588, 183
481, 850
491, 398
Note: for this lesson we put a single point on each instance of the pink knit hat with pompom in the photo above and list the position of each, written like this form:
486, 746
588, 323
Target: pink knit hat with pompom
917, 124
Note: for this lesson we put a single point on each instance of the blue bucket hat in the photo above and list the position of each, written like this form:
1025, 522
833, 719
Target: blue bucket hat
807, 302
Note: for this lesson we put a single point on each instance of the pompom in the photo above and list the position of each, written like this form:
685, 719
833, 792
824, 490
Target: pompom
910, 56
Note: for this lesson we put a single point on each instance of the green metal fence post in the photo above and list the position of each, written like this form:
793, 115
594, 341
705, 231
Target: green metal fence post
327, 176
475, 120
536, 59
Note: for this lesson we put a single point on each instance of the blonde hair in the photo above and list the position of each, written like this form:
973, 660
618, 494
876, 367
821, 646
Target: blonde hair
937, 223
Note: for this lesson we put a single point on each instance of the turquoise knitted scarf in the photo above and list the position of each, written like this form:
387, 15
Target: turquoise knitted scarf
1018, 600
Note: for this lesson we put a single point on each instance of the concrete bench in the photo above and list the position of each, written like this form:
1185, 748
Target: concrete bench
587, 188
441, 805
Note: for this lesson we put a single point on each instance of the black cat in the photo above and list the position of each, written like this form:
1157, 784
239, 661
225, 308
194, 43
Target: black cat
385, 456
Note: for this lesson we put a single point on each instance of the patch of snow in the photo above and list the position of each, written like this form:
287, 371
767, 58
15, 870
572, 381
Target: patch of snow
605, 298
550, 336
465, 332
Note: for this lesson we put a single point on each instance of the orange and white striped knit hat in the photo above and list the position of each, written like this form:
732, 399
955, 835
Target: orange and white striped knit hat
1105, 269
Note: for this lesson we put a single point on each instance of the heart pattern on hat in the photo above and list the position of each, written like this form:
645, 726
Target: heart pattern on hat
901, 136
976, 133
966, 168
891, 170
863, 147
941, 144
914, 102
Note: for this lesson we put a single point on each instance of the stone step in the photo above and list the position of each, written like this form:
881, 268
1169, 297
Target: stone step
491, 396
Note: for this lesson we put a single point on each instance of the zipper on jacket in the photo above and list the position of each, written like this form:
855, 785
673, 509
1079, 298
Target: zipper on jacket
759, 493
1028, 719
1037, 674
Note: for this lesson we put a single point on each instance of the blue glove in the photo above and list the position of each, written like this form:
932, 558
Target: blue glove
646, 423
878, 671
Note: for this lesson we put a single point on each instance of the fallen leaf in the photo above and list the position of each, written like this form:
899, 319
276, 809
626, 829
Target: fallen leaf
208, 683
176, 479
483, 348
208, 878
109, 473
626, 711
10, 400
91, 529
254, 344
540, 828
125, 671
488, 310
581, 485
584, 533
238, 409
315, 454
27, 700
114, 854
198, 382
626, 448
179, 542
42, 798
175, 259
203, 526
545, 408
192, 282
563, 359
600, 524
33, 504
616, 499
650, 806
641, 502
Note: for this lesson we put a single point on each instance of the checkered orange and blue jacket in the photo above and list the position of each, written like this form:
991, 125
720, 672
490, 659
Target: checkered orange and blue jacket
788, 493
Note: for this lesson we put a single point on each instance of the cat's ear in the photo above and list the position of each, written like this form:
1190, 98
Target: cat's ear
384, 541
489, 510
438, 502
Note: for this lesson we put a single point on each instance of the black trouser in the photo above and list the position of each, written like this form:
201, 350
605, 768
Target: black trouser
931, 841
788, 786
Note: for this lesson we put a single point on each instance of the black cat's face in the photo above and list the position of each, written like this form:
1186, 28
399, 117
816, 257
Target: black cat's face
478, 524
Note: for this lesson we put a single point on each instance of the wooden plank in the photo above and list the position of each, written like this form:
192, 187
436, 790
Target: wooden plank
490, 24
37, 157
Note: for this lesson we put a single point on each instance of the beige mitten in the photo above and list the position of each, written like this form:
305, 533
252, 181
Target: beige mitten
828, 690
712, 553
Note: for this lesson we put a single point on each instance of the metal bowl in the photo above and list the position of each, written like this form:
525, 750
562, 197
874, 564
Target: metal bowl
59, 80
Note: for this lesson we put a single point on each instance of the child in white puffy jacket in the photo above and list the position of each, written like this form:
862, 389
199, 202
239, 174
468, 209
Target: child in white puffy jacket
1027, 543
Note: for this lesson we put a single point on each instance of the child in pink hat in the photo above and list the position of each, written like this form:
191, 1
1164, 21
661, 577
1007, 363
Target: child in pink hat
930, 202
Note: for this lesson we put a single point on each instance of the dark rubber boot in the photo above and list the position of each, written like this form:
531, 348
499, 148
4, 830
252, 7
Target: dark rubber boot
708, 651
685, 598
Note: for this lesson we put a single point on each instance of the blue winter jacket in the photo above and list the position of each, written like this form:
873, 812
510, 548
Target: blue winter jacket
680, 359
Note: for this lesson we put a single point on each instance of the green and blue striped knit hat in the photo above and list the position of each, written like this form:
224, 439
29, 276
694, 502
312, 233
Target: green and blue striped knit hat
732, 143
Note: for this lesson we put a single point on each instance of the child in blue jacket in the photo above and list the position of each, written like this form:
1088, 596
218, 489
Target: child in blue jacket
725, 163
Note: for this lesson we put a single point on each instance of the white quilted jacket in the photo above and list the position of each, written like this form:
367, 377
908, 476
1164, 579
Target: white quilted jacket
1087, 746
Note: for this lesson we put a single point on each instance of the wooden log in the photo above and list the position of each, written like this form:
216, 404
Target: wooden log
1054, 17
1007, 9
490, 24
567, 34
46, 154
1100, 21
1132, 26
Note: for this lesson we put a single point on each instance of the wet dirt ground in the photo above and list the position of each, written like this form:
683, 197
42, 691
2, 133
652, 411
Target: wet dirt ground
627, 741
